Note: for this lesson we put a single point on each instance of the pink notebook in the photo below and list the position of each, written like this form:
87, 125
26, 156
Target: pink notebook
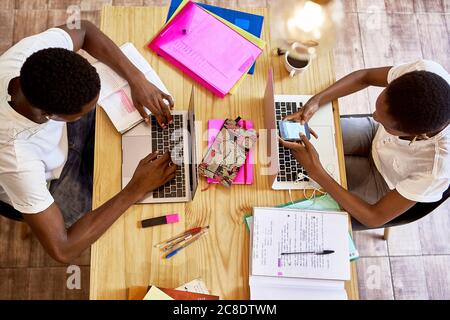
205, 48
245, 174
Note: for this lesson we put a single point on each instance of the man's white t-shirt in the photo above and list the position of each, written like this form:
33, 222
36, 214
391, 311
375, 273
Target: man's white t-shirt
31, 154
420, 171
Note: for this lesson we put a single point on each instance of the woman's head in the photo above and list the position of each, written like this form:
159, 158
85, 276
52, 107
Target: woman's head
416, 103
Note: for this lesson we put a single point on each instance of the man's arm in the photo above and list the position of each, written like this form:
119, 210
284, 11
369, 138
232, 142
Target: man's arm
65, 245
98, 45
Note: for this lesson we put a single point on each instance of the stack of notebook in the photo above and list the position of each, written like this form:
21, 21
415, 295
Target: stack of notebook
251, 23
208, 48
193, 290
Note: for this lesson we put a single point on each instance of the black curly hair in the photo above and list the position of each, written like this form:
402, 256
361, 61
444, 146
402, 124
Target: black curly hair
419, 101
59, 81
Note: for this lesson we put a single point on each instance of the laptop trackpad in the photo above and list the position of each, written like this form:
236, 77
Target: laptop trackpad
134, 148
325, 145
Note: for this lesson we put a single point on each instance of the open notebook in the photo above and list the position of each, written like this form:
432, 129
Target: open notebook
298, 276
115, 94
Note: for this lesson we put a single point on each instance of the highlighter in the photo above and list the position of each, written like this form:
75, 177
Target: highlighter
171, 218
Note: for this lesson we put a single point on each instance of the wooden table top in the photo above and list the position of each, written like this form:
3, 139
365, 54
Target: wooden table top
124, 256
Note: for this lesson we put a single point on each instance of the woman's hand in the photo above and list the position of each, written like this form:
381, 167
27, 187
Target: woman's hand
306, 155
305, 113
145, 94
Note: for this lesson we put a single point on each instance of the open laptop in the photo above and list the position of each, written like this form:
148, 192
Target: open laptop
286, 173
179, 139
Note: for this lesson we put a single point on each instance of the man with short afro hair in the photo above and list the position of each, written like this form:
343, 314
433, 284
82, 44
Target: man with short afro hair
48, 95
59, 81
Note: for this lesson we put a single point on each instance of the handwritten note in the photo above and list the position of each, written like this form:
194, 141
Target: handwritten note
196, 285
277, 231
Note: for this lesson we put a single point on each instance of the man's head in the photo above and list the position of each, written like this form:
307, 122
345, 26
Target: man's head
416, 103
61, 83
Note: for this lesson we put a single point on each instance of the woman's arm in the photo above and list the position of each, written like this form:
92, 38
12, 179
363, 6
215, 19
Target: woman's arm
349, 84
371, 215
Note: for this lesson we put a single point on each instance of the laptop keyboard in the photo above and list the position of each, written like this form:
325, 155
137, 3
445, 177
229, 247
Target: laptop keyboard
290, 169
170, 139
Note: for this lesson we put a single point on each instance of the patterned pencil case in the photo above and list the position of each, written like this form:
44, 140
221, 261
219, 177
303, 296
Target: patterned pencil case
228, 152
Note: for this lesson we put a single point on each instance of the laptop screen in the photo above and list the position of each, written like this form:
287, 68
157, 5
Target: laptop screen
193, 149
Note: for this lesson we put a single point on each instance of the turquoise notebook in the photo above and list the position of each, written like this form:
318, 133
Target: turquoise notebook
320, 203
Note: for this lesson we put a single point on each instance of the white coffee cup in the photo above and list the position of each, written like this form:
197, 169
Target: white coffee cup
297, 59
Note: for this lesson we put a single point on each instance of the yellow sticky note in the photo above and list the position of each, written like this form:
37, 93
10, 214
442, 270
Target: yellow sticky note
156, 294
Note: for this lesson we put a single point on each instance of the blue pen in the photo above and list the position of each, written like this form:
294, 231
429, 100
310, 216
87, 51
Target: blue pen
192, 240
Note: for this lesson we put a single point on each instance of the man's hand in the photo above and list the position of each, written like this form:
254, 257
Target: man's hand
305, 153
305, 113
151, 173
145, 94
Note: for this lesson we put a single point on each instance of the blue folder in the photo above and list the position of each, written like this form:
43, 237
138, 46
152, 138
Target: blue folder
251, 23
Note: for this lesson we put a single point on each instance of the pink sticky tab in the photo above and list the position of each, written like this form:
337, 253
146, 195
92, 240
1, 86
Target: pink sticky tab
172, 218
247, 64
127, 103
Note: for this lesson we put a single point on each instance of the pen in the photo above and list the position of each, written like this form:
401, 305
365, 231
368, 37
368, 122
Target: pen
170, 246
192, 240
179, 244
323, 252
181, 235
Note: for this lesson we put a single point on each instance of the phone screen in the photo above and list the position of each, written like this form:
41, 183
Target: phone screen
291, 130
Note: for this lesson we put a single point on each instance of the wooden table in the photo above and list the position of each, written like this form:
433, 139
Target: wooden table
124, 256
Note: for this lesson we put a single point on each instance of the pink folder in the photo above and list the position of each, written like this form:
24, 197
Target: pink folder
205, 48
245, 174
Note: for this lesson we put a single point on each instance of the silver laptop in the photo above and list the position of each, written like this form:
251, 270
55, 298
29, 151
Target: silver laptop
286, 173
179, 139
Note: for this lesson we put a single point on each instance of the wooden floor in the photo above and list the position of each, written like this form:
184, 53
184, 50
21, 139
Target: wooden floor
413, 264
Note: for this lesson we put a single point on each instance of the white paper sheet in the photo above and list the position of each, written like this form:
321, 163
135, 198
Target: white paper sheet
196, 285
277, 230
115, 95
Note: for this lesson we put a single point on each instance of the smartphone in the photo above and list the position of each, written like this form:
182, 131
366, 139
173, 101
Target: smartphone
290, 131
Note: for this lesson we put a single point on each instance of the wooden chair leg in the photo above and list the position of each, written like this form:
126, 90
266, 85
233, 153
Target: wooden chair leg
386, 233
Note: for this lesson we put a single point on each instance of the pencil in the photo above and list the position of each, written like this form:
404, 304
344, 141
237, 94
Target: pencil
190, 241
181, 235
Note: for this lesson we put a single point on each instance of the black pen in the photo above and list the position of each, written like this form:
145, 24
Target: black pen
323, 252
